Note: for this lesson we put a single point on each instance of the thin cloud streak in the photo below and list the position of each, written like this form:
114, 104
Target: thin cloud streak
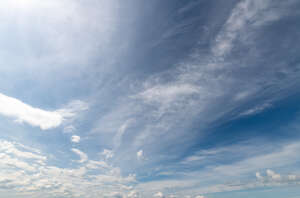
82, 155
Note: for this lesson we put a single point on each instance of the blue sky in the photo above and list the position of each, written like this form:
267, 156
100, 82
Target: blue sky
169, 99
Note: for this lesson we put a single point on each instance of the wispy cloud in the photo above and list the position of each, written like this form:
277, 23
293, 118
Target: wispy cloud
283, 157
82, 155
205, 88
244, 13
69, 129
12, 149
167, 93
256, 109
120, 132
244, 173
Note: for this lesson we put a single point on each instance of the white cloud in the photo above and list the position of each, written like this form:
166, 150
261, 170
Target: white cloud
140, 154
263, 156
7, 160
204, 86
82, 155
72, 109
27, 175
163, 94
75, 138
96, 164
273, 175
55, 30
121, 130
24, 113
258, 175
158, 194
11, 148
167, 93
108, 153
237, 22
256, 109
272, 178
199, 88
133, 194
13, 155
44, 119
193, 186
284, 156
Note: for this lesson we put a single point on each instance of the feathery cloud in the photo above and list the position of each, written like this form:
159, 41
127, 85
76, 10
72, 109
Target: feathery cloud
82, 155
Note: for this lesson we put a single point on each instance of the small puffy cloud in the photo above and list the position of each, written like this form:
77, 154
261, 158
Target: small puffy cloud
140, 154
107, 153
258, 176
75, 138
133, 194
273, 175
24, 113
82, 155
158, 194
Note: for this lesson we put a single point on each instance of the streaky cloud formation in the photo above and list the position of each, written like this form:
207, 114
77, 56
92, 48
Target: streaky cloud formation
82, 155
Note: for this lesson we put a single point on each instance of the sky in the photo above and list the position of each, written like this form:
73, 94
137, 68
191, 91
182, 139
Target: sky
149, 99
